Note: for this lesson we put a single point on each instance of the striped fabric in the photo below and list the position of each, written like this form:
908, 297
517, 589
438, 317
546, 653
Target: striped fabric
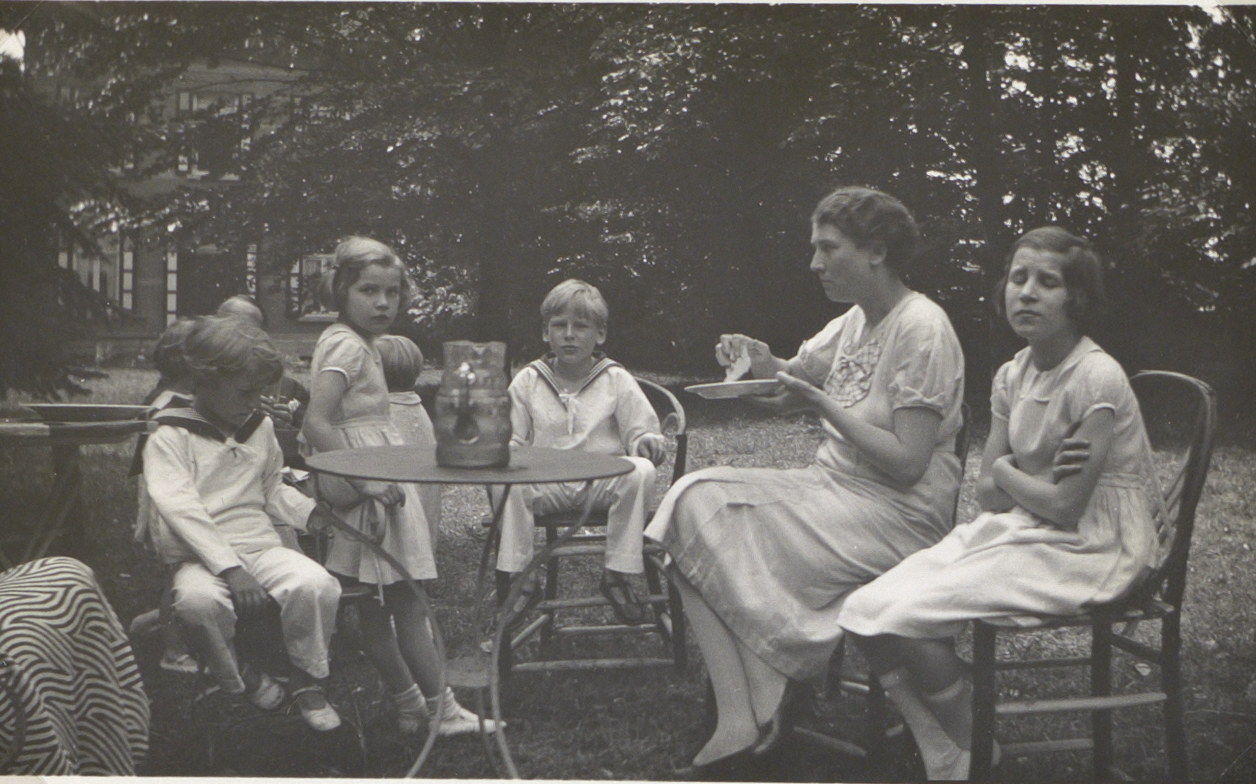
70, 663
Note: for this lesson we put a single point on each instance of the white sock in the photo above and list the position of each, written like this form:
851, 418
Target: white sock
410, 698
943, 758
451, 703
954, 708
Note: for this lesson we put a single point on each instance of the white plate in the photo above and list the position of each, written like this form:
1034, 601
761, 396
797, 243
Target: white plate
731, 389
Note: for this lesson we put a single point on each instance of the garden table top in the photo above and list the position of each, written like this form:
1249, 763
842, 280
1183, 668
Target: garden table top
73, 425
64, 427
528, 465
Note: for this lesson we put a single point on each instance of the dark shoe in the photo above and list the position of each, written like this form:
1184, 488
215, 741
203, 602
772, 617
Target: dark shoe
624, 603
729, 768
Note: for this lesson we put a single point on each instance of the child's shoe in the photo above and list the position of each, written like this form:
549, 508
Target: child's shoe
457, 719
323, 718
267, 694
179, 662
412, 713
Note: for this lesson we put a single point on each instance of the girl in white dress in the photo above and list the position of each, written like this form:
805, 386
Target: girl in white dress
1057, 533
349, 408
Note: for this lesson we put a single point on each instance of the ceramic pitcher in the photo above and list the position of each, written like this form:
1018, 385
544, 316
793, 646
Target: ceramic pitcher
472, 407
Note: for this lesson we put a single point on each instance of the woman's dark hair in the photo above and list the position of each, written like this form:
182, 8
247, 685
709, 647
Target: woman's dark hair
356, 254
1082, 270
866, 216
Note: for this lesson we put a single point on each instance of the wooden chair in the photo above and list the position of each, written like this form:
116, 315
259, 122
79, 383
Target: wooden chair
875, 730
669, 620
1180, 413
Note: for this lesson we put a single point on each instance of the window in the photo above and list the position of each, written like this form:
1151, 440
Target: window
304, 282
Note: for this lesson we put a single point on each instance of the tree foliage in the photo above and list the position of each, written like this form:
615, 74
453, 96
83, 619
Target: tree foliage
670, 154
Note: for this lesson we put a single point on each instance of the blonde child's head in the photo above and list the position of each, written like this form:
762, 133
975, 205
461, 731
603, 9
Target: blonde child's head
219, 346
356, 254
242, 306
168, 352
576, 298
403, 361
1080, 266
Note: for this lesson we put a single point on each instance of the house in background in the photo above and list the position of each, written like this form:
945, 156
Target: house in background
152, 276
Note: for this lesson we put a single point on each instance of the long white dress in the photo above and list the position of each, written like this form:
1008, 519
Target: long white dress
1013, 564
363, 421
775, 552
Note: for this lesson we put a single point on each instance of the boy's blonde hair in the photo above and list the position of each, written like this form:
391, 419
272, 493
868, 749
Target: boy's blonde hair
220, 346
579, 297
356, 254
403, 361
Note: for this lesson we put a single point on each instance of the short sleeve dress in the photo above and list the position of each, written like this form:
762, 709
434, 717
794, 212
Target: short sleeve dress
363, 421
1015, 565
775, 552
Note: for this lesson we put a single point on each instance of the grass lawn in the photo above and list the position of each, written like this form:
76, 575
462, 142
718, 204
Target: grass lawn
643, 725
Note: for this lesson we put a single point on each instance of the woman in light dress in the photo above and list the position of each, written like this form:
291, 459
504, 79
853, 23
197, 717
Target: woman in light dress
764, 557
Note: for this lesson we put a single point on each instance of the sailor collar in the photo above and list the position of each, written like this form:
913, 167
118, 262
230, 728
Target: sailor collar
542, 366
191, 420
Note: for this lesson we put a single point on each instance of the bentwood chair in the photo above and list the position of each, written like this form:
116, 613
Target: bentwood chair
558, 617
1180, 415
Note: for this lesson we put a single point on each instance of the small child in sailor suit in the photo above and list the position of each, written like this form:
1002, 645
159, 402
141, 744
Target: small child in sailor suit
212, 472
573, 398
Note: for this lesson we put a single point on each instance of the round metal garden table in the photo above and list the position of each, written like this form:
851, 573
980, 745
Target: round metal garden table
478, 668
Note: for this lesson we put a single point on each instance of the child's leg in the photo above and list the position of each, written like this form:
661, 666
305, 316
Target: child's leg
626, 499
176, 655
308, 599
926, 681
380, 645
517, 527
382, 648
202, 604
414, 637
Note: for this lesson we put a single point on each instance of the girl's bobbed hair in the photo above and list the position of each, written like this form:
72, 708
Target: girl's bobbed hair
168, 351
582, 299
1086, 302
220, 346
356, 254
402, 359
868, 216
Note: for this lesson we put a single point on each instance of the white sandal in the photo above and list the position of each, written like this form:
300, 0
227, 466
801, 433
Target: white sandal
323, 719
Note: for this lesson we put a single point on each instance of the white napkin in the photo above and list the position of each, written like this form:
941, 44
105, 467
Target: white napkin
740, 366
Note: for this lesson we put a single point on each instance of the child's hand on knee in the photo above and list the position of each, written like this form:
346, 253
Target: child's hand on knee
653, 446
247, 594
